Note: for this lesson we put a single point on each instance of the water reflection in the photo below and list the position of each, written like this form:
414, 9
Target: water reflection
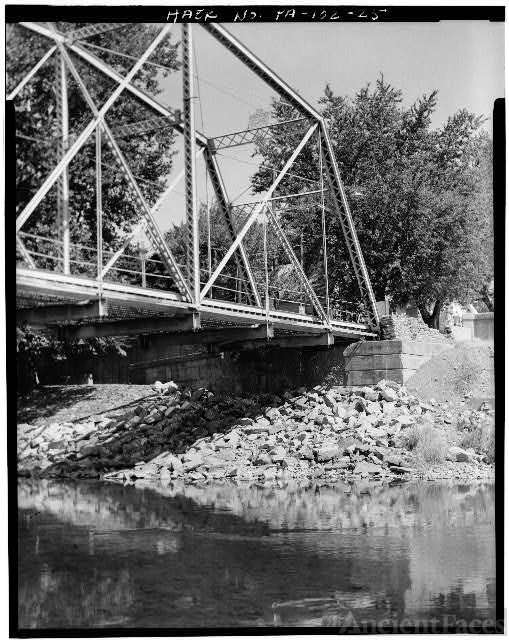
107, 555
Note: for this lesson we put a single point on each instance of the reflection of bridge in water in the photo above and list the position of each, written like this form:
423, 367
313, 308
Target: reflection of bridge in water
118, 291
238, 555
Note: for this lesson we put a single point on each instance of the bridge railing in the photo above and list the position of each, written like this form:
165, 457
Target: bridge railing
47, 254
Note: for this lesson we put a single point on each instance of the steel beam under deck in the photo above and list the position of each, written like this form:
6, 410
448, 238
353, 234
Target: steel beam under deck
55, 313
46, 282
133, 327
283, 342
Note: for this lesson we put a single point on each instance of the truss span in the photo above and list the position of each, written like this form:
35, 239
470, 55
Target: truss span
236, 286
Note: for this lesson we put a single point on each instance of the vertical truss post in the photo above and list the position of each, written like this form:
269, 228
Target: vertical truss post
225, 207
193, 244
99, 208
143, 260
62, 112
266, 269
302, 265
324, 232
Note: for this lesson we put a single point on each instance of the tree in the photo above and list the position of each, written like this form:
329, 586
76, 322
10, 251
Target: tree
149, 155
36, 349
213, 230
212, 223
421, 198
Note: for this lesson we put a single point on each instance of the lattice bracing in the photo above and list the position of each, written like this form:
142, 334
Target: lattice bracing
257, 135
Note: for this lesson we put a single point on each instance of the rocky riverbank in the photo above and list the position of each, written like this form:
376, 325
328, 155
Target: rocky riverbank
318, 435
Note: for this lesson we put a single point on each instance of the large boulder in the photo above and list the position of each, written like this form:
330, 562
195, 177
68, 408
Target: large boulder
327, 452
364, 468
388, 394
457, 454
277, 454
305, 453
192, 461
370, 394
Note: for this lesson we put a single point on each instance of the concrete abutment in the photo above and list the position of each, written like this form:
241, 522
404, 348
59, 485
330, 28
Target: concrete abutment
366, 363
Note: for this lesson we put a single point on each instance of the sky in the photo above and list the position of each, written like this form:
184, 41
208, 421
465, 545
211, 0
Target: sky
463, 60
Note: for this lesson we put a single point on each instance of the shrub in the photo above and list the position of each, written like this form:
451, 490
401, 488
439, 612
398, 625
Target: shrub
427, 442
468, 421
411, 437
482, 438
431, 446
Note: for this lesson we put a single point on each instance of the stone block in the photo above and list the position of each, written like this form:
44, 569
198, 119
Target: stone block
398, 346
389, 361
365, 378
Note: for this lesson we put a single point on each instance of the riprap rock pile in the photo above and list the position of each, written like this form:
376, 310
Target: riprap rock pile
398, 326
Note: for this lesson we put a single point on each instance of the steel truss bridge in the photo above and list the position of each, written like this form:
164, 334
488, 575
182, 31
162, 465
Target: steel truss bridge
83, 287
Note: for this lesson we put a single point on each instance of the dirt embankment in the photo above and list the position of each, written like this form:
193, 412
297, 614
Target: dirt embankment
461, 376
69, 403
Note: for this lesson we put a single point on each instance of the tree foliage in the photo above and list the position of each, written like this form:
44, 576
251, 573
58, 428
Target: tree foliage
149, 155
36, 349
421, 197
282, 280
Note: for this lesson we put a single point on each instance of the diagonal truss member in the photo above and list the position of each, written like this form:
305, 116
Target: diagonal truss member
98, 120
240, 254
257, 212
201, 140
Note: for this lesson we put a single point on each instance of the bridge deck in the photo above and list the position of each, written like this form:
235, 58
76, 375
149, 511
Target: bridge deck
36, 282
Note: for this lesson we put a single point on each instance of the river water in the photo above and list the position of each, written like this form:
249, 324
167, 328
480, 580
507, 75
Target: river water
105, 555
